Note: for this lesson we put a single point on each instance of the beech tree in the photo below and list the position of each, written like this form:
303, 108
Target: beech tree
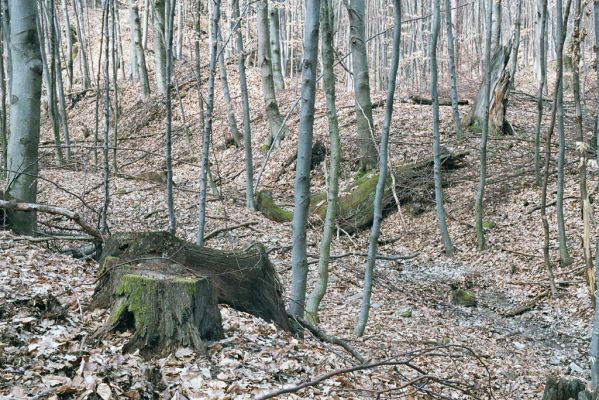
26, 84
356, 10
299, 257
380, 185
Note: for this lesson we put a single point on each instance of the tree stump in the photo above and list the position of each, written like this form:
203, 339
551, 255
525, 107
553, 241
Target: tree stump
165, 312
500, 81
167, 289
566, 389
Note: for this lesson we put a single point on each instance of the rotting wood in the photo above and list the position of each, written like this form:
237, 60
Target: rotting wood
414, 182
245, 280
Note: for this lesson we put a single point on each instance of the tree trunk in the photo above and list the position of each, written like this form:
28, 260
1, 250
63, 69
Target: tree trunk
594, 348
441, 221
69, 40
22, 157
214, 21
356, 10
299, 258
499, 81
227, 96
542, 62
452, 71
328, 57
277, 126
564, 256
168, 146
158, 21
565, 389
140, 57
245, 280
485, 96
247, 130
81, 38
275, 45
382, 177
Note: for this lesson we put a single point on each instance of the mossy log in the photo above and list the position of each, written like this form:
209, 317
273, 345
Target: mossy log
413, 182
170, 288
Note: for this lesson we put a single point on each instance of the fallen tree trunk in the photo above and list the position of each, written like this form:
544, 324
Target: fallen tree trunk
167, 289
427, 101
34, 207
413, 182
500, 82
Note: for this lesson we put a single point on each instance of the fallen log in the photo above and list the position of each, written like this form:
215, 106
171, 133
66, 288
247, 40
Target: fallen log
34, 207
413, 182
167, 290
416, 99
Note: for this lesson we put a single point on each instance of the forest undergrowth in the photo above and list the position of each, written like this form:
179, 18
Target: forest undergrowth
47, 344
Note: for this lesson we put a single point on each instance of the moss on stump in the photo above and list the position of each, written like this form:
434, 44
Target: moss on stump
165, 313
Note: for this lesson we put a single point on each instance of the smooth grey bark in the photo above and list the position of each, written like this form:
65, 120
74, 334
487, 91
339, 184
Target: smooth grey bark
22, 157
380, 185
452, 71
277, 126
480, 195
49, 73
594, 349
441, 221
564, 256
516, 48
214, 20
81, 38
69, 42
158, 24
274, 26
328, 59
356, 10
62, 108
144, 35
247, 130
138, 50
224, 82
496, 25
106, 142
6, 27
299, 257
114, 54
3, 112
542, 62
168, 145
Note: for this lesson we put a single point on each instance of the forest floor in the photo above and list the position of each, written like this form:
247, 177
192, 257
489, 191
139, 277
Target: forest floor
47, 343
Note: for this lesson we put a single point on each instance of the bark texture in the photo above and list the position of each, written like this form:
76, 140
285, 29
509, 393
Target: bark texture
171, 274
